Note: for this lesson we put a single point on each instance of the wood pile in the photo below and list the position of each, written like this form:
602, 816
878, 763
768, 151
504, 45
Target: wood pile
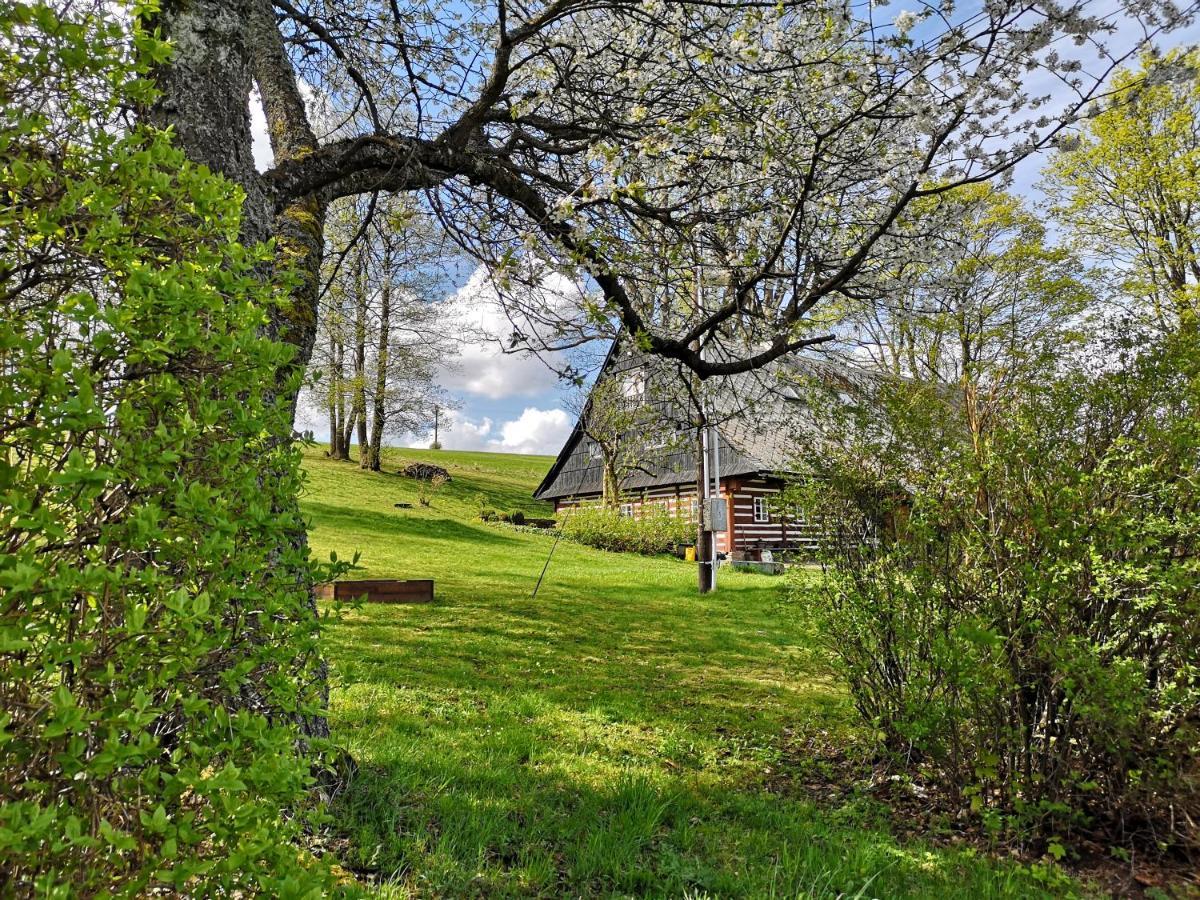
424, 471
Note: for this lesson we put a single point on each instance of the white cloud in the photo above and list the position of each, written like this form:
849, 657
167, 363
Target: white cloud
462, 434
535, 431
482, 367
539, 431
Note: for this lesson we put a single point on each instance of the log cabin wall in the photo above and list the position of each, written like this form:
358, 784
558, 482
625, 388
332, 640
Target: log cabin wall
745, 531
758, 522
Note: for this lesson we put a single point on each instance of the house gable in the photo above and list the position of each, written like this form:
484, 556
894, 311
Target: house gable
745, 448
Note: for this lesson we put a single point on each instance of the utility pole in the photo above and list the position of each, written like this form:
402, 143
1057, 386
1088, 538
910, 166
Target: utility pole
711, 514
705, 545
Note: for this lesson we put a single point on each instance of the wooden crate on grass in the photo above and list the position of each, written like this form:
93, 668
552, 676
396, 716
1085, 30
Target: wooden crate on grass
386, 590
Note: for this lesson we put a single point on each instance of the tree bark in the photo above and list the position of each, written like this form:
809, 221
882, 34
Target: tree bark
379, 415
360, 370
338, 385
203, 96
334, 425
348, 430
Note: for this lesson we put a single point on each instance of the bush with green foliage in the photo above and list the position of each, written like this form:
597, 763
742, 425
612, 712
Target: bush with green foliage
157, 647
1020, 619
517, 517
655, 530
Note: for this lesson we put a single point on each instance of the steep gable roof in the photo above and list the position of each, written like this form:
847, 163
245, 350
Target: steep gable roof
754, 424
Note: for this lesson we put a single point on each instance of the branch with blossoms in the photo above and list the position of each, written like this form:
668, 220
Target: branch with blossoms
724, 174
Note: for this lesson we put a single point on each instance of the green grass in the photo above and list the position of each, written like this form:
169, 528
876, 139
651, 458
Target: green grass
619, 735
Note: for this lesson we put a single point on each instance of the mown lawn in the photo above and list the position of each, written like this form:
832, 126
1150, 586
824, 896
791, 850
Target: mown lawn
619, 735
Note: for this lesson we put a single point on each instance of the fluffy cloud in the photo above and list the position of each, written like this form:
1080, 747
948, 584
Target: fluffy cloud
534, 431
481, 366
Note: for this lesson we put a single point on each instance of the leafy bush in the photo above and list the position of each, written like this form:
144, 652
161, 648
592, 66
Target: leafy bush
1021, 619
656, 531
517, 517
157, 647
487, 515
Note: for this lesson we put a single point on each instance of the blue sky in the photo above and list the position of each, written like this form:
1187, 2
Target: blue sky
515, 403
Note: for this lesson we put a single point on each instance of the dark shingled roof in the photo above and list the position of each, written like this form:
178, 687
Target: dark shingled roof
756, 413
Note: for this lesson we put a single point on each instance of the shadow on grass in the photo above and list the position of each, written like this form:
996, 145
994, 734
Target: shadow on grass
402, 523
495, 805
471, 485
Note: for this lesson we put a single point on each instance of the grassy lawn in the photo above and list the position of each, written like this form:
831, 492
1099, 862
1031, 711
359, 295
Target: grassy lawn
619, 735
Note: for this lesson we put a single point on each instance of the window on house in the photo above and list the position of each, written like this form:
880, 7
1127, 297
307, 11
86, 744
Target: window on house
634, 387
626, 511
761, 513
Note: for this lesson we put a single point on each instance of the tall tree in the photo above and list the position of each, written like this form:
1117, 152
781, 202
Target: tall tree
623, 418
984, 308
380, 304
153, 611
1129, 191
788, 139
614, 137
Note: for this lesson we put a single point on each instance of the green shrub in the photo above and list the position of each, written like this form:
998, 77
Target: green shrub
517, 517
656, 531
487, 515
156, 642
1021, 620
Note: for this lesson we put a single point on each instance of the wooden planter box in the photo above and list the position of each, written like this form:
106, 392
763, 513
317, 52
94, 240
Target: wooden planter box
379, 591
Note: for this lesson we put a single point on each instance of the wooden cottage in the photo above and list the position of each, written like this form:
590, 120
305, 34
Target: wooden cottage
754, 451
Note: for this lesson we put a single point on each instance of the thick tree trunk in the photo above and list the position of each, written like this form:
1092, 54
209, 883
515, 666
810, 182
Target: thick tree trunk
610, 487
204, 93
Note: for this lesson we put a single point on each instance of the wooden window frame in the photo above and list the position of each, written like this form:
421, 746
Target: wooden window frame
762, 514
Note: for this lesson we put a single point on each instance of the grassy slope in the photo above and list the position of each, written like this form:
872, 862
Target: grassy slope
619, 735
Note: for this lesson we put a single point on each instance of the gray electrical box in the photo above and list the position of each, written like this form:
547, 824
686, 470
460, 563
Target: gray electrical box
717, 514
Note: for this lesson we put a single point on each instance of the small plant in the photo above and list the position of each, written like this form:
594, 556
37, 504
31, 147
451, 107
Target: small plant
436, 445
430, 488
517, 517
487, 515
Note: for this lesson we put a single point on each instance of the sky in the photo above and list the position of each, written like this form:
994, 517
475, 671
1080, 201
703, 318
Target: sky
507, 403
515, 403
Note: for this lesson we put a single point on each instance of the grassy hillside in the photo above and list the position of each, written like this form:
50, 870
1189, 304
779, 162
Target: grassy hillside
617, 736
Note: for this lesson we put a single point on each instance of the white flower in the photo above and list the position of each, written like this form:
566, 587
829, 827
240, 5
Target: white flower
905, 21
